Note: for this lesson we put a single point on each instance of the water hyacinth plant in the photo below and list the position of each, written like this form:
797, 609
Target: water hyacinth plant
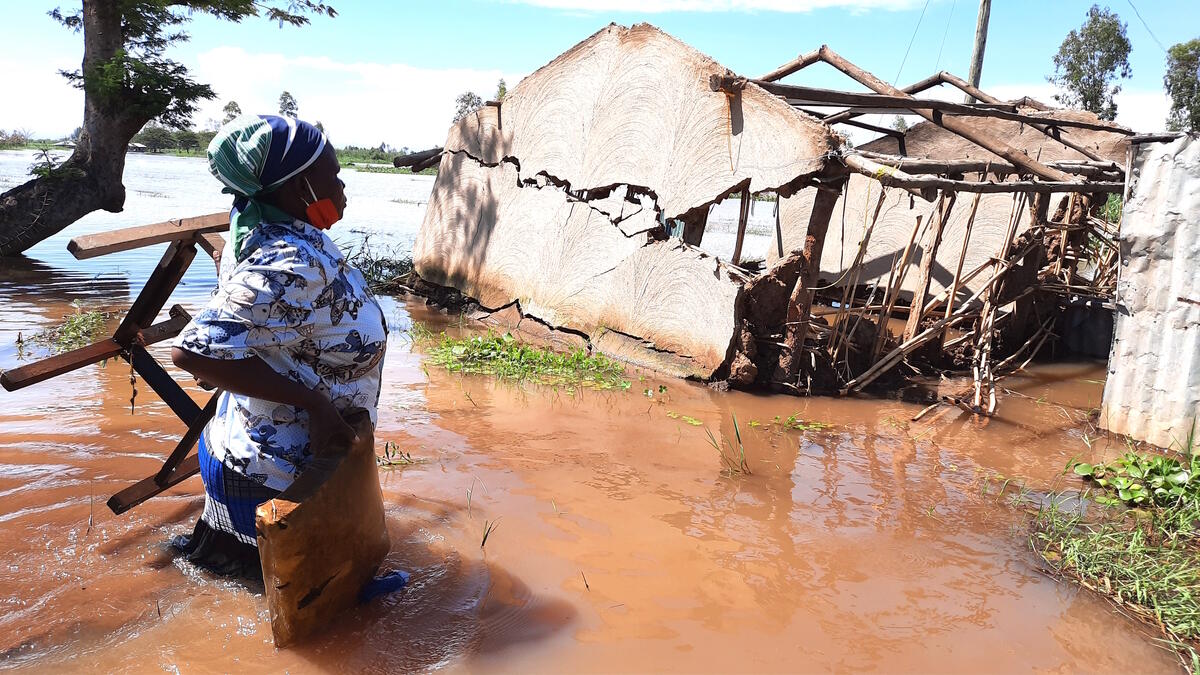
1141, 547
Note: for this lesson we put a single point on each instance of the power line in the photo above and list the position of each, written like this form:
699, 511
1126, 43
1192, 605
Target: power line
910, 43
938, 66
1139, 16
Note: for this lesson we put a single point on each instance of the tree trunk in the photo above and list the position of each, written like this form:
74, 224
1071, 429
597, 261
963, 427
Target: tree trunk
91, 178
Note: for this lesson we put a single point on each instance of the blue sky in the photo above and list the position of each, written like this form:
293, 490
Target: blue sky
386, 70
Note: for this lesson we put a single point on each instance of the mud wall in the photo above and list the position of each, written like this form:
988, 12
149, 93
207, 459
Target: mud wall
555, 201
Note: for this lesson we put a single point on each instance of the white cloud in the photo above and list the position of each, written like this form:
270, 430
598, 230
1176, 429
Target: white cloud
359, 103
661, 6
1139, 109
46, 105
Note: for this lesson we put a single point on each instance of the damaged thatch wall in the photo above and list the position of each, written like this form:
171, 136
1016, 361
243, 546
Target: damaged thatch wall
556, 199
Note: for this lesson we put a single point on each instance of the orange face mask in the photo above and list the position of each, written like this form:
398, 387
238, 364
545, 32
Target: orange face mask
322, 213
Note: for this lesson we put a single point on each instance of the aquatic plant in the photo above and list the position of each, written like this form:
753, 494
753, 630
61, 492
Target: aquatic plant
489, 526
1133, 537
78, 329
393, 456
1138, 479
686, 419
735, 458
506, 357
793, 422
386, 269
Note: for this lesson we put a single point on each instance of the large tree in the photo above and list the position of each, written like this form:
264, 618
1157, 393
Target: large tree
1183, 86
231, 111
1090, 62
127, 81
186, 140
155, 138
466, 103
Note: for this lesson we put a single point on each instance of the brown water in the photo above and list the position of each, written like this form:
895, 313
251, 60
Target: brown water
879, 544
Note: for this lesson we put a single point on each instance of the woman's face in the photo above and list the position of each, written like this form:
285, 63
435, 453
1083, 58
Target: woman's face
323, 177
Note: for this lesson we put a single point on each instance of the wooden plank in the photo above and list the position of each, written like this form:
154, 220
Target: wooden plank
148, 487
915, 165
415, 158
892, 176
928, 258
164, 385
743, 217
213, 244
40, 371
797, 95
158, 288
103, 243
188, 441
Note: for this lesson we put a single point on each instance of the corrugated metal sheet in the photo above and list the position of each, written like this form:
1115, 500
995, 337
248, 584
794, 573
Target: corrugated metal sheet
1153, 387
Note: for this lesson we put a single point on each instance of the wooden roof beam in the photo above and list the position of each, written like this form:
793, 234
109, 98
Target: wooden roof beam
985, 141
891, 176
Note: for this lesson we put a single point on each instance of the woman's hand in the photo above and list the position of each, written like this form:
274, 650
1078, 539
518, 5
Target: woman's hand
253, 377
327, 431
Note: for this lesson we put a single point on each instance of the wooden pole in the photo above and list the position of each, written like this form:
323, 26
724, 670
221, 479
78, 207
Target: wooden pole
797, 95
961, 259
798, 63
981, 29
916, 165
894, 357
800, 300
856, 268
892, 176
743, 217
895, 281
1014, 156
915, 312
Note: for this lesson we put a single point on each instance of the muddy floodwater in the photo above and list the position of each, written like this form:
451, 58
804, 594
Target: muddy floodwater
875, 544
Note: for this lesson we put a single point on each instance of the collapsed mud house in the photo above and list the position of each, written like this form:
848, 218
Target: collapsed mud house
574, 208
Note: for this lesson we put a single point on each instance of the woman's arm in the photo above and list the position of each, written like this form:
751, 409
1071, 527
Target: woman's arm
254, 378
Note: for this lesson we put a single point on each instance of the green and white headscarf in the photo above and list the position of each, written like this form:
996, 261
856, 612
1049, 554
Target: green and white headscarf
255, 154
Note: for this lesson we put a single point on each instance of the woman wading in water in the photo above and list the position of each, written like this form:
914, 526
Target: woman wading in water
292, 334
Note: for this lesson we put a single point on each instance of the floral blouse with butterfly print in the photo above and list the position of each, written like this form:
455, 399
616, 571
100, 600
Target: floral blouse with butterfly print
296, 303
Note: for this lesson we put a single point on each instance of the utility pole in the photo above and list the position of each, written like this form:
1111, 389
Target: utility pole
981, 27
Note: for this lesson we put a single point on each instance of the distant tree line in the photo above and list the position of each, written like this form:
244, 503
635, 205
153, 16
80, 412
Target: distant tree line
158, 138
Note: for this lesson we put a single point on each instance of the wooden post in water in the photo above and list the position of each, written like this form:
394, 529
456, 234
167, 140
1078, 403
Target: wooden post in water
799, 312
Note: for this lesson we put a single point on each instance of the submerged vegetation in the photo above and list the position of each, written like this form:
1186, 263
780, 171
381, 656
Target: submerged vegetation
1133, 537
393, 457
77, 329
386, 269
732, 457
506, 357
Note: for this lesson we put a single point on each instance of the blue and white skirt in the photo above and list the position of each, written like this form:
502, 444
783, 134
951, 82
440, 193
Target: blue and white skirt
223, 540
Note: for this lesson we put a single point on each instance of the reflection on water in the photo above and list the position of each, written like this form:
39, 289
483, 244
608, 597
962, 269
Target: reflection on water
620, 545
